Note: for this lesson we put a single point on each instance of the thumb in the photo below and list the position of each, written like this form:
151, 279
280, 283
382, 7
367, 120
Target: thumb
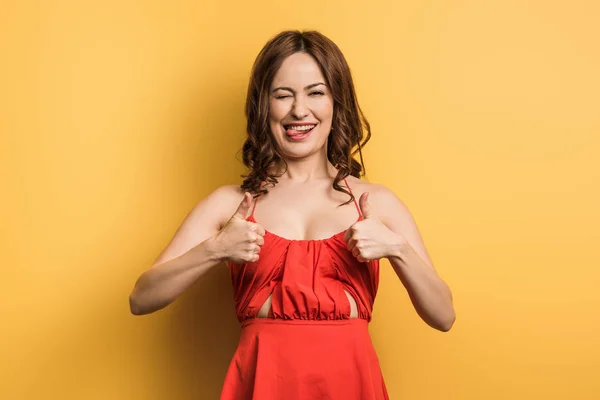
365, 208
244, 206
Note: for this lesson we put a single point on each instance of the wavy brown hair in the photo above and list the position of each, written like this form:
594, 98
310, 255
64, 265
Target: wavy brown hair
350, 129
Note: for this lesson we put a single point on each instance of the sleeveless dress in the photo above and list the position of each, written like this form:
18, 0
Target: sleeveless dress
308, 347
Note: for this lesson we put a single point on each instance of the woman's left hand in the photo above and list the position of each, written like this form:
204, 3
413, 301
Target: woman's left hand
370, 239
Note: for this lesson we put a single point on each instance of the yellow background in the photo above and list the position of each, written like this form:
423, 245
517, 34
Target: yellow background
118, 116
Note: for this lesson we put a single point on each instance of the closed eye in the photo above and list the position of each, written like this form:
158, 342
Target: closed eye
313, 93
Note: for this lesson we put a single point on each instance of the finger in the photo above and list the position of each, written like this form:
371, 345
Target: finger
351, 243
365, 208
252, 256
244, 206
251, 236
349, 233
258, 229
260, 240
356, 252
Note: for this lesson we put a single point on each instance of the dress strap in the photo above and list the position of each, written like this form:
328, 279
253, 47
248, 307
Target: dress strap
355, 202
253, 207
255, 201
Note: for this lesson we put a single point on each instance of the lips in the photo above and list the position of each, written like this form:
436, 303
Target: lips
298, 131
291, 131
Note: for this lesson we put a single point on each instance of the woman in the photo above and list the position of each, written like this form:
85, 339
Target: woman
303, 252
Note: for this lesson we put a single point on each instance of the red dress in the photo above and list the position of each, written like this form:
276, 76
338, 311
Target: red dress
308, 348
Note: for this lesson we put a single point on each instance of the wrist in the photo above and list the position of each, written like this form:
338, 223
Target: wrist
214, 250
399, 247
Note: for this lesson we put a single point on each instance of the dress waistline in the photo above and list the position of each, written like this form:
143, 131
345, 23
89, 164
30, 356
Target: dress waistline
313, 322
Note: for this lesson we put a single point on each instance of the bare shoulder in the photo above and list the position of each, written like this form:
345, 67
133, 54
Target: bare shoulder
387, 206
223, 201
205, 219
227, 192
380, 196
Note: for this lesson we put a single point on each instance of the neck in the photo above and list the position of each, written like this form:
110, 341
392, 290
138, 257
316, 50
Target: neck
306, 169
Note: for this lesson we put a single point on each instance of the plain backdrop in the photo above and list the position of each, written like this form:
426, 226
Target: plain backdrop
118, 116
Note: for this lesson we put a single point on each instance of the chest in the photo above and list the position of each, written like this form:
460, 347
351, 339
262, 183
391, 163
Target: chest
305, 214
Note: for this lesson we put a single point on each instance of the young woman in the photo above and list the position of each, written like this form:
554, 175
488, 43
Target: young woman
302, 237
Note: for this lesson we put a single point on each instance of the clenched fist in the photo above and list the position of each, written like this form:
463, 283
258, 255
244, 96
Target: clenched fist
240, 240
370, 239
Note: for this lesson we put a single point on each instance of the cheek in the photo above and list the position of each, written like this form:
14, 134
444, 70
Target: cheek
277, 111
323, 110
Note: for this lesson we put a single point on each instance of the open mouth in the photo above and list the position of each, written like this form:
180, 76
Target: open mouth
297, 132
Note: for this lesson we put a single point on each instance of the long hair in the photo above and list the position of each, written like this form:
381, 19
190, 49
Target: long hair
349, 125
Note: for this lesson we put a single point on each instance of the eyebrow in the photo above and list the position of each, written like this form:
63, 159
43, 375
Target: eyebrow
292, 90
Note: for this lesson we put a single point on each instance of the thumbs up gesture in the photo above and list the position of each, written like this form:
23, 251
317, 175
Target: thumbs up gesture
240, 240
369, 239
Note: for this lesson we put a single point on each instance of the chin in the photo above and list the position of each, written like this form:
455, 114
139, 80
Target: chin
302, 148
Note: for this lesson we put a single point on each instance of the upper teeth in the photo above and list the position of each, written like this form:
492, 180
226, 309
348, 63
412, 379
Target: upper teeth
301, 127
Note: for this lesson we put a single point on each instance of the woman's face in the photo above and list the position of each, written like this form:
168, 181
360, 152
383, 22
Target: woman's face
301, 107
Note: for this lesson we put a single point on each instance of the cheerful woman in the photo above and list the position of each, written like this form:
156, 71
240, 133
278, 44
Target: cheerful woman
302, 251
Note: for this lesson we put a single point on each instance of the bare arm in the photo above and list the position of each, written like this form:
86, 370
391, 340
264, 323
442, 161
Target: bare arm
430, 295
191, 252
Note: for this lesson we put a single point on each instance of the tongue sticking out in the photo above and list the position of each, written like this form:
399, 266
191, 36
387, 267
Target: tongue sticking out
292, 132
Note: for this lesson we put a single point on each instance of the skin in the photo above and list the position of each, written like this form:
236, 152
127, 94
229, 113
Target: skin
302, 205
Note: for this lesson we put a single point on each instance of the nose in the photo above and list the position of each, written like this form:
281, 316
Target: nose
299, 108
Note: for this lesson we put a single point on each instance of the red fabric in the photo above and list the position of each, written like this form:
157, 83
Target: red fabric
309, 347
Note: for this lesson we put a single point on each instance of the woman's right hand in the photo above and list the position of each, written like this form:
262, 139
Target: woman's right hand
240, 240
